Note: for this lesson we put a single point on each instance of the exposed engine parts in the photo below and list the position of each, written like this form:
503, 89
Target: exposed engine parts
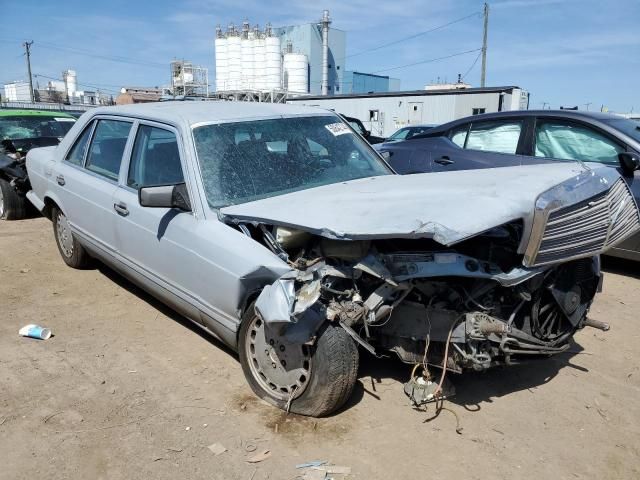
418, 300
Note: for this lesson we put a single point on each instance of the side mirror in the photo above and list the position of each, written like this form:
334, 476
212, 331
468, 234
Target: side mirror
629, 162
165, 196
367, 133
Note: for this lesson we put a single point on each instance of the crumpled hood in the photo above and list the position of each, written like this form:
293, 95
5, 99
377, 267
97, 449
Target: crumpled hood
448, 207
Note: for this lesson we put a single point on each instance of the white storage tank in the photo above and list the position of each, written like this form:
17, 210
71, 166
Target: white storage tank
221, 61
296, 73
71, 82
247, 46
273, 60
259, 64
234, 61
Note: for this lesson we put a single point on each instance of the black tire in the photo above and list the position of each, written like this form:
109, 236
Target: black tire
12, 205
70, 249
332, 376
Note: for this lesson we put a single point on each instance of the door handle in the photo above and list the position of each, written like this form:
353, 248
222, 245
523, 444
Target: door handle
444, 160
121, 208
60, 180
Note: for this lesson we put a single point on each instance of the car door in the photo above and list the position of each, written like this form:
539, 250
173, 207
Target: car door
87, 178
158, 243
482, 144
558, 139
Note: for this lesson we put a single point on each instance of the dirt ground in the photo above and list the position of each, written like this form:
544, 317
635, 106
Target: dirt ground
128, 389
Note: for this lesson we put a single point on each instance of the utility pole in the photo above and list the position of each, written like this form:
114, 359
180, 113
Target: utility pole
484, 45
27, 46
587, 105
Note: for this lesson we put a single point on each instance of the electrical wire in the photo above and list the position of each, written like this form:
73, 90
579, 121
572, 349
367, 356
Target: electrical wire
112, 58
431, 60
472, 65
416, 35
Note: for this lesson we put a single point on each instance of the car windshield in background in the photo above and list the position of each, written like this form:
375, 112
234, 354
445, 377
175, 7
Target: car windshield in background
246, 161
628, 127
18, 127
408, 132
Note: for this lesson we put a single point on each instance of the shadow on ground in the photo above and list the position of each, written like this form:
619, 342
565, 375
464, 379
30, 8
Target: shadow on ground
472, 388
161, 307
621, 266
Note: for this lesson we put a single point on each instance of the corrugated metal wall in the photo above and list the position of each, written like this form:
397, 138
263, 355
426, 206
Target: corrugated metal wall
307, 39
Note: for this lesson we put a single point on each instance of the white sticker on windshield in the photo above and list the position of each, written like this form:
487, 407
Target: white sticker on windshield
337, 128
62, 119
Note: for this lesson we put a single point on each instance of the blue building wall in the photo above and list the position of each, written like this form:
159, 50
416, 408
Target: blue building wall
307, 39
358, 82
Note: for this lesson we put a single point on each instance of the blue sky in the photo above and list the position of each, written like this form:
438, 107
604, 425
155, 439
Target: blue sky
565, 52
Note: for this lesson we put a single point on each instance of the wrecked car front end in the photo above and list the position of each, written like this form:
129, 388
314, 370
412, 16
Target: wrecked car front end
458, 270
434, 296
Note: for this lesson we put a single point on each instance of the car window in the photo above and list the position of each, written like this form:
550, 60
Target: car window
626, 126
283, 155
77, 152
567, 141
16, 127
499, 137
400, 134
357, 127
155, 159
107, 147
459, 135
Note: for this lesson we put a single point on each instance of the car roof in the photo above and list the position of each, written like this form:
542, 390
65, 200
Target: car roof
34, 113
550, 113
569, 114
209, 111
420, 125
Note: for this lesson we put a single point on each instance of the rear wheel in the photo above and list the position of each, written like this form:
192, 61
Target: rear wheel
312, 380
70, 249
12, 205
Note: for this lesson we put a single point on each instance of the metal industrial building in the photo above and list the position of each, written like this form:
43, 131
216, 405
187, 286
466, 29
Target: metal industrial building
384, 113
300, 59
307, 40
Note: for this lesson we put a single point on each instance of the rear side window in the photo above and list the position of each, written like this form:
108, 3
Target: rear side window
566, 141
499, 137
107, 147
155, 159
459, 135
77, 152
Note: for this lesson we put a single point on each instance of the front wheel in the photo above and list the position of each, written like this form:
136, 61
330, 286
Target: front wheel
308, 380
70, 249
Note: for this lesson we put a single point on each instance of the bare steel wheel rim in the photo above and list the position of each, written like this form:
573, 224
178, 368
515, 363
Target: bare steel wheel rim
65, 239
281, 368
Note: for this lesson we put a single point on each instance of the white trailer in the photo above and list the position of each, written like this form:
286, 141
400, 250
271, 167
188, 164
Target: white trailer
385, 112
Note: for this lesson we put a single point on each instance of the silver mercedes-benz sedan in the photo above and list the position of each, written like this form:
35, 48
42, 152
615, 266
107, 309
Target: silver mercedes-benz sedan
282, 232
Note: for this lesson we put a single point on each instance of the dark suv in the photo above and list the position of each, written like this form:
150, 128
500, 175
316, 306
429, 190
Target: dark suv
511, 138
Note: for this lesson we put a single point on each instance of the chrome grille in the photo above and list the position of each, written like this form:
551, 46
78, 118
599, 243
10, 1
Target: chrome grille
589, 227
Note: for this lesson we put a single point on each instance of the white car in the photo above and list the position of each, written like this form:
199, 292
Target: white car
280, 231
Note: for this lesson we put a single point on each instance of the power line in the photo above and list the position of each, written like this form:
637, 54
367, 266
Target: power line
96, 86
104, 57
471, 67
411, 37
427, 61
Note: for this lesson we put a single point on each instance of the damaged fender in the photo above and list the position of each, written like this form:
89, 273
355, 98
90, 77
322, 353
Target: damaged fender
294, 315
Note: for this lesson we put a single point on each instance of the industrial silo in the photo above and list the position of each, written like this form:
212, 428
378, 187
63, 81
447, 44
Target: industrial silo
259, 64
246, 47
296, 72
273, 67
234, 59
221, 61
71, 82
